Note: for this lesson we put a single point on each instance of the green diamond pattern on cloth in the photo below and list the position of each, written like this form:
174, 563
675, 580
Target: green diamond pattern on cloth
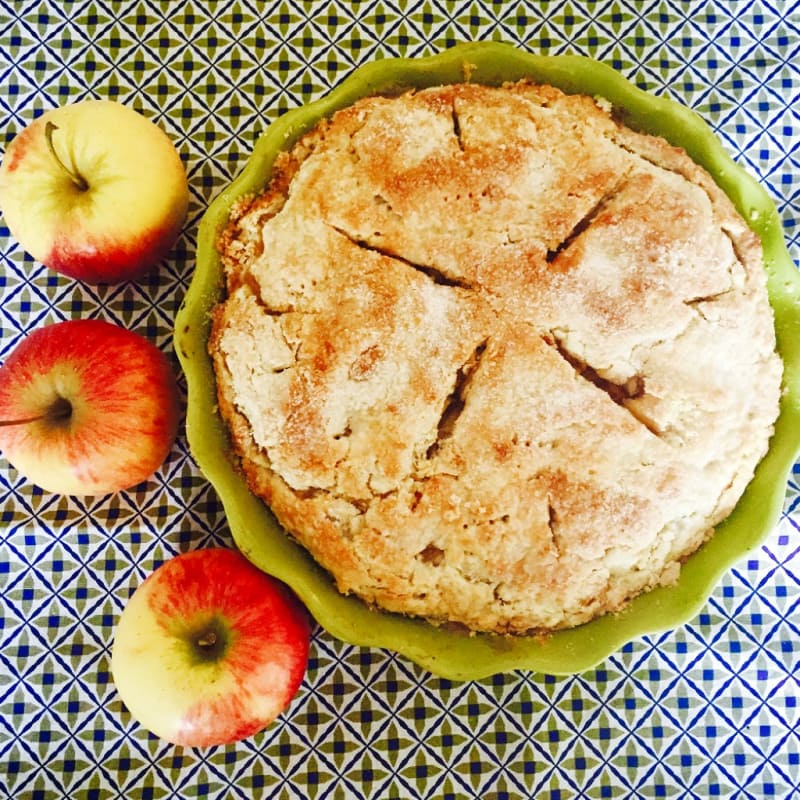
708, 710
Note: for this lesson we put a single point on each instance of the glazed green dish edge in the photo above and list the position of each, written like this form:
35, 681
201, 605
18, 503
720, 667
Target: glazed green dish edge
449, 653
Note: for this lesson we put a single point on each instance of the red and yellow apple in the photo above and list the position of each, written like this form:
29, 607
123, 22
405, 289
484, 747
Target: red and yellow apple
95, 191
209, 650
87, 407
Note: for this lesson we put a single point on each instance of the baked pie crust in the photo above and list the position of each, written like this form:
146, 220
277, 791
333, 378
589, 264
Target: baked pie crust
492, 357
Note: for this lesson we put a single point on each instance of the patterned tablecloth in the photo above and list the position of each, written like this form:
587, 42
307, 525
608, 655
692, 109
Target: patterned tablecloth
708, 710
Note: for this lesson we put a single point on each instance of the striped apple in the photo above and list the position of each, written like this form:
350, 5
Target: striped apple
209, 650
94, 190
87, 407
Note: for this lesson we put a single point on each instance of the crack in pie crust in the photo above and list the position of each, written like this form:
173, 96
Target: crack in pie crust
493, 358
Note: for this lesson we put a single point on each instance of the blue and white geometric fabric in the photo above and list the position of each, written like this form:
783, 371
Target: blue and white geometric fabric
710, 710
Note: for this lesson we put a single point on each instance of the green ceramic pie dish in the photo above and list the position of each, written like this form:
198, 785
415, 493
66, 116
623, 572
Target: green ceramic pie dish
445, 652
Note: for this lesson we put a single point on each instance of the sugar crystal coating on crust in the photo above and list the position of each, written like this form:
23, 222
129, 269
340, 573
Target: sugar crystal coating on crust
492, 357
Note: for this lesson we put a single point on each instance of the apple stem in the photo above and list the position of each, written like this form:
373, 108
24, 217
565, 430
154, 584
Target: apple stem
75, 176
59, 413
208, 639
5, 423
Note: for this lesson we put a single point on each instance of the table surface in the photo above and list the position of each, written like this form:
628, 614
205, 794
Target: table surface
707, 710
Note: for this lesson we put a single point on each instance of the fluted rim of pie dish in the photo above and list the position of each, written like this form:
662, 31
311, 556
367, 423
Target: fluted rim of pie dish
445, 651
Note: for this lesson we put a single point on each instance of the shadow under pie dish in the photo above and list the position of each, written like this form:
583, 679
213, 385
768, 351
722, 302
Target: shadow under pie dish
504, 376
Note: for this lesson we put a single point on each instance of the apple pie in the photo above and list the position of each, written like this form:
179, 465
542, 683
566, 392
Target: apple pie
492, 357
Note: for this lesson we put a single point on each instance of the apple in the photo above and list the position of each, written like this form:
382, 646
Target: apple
87, 407
209, 649
95, 191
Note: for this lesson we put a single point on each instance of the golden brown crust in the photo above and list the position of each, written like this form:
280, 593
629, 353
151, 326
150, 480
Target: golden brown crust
493, 358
